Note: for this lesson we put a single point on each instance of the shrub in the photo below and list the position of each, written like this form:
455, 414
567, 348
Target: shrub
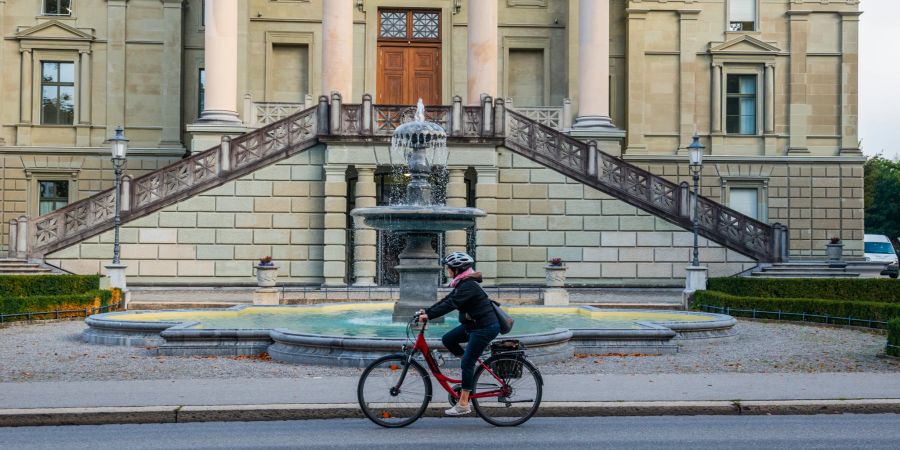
48, 303
894, 337
861, 310
865, 289
44, 285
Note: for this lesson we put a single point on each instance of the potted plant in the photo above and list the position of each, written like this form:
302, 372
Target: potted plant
266, 272
555, 271
835, 249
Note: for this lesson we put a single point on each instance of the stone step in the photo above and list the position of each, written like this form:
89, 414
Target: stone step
617, 305
804, 275
822, 269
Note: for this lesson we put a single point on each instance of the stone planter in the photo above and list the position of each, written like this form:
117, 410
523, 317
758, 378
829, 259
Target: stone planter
835, 252
556, 275
266, 275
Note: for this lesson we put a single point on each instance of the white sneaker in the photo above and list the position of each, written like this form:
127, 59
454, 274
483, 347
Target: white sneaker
457, 410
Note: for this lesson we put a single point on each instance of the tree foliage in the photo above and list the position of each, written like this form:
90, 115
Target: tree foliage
882, 196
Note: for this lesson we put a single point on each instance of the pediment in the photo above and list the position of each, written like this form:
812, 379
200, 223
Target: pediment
53, 30
743, 45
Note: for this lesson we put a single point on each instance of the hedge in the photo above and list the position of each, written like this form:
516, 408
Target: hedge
894, 337
865, 289
46, 285
49, 303
862, 310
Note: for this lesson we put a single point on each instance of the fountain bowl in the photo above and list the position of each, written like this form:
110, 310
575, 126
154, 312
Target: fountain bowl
418, 219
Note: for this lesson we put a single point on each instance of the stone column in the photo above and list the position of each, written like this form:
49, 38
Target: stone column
171, 76
27, 88
593, 64
716, 99
22, 238
337, 48
84, 88
220, 54
486, 227
636, 142
335, 263
365, 240
13, 231
770, 99
850, 83
456, 197
482, 51
800, 108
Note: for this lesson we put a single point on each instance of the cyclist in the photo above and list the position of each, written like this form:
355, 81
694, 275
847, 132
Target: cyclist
478, 322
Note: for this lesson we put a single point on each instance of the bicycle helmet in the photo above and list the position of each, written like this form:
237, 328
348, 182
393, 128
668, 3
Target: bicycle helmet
459, 260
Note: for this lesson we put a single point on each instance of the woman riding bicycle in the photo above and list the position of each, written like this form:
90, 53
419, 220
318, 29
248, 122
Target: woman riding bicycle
478, 322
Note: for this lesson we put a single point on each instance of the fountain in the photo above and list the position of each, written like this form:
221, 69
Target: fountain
417, 217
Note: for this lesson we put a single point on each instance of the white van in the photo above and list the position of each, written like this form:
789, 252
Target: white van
879, 248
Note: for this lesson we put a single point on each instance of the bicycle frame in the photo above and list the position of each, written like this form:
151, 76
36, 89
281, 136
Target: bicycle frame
421, 345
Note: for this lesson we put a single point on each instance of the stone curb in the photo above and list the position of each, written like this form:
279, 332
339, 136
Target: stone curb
233, 413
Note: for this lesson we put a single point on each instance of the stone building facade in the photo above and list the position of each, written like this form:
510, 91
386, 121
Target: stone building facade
769, 85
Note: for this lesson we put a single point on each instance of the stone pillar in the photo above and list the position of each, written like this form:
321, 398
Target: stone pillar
220, 62
482, 51
688, 62
593, 64
84, 88
716, 99
635, 83
27, 88
365, 240
337, 48
13, 231
115, 65
171, 75
22, 238
695, 280
770, 99
456, 197
850, 83
486, 227
335, 263
800, 109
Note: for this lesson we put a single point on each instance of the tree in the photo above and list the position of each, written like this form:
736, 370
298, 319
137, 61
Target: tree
882, 196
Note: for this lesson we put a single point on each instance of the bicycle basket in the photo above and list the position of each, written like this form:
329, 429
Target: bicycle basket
515, 353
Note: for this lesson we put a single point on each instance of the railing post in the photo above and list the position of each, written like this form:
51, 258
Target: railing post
249, 113
487, 115
366, 113
335, 122
307, 101
509, 103
684, 197
13, 230
125, 206
322, 115
22, 238
499, 117
565, 122
456, 121
780, 242
224, 156
592, 158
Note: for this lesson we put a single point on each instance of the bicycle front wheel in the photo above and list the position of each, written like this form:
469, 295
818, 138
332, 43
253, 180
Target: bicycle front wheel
520, 389
386, 400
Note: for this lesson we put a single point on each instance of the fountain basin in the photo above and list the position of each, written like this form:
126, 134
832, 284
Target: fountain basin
354, 334
418, 219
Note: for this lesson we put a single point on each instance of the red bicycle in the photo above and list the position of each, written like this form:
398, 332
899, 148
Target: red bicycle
394, 390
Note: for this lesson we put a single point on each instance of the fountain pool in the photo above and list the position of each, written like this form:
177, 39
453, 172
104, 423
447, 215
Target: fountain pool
353, 334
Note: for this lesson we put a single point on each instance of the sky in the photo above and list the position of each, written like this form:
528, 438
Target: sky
879, 78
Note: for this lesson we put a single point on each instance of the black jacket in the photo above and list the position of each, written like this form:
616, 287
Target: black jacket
474, 306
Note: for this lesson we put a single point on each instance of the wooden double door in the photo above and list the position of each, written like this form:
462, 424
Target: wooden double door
409, 57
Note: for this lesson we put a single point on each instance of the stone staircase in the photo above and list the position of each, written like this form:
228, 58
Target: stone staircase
333, 121
819, 269
13, 266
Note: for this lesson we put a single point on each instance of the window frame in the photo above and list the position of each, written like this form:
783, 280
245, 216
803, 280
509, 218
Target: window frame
201, 90
409, 25
34, 176
58, 84
728, 21
44, 12
758, 183
757, 106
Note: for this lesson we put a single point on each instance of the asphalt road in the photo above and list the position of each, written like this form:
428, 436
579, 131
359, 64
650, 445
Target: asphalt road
731, 432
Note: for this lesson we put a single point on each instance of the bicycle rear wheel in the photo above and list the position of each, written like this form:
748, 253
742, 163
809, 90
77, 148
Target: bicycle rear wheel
520, 391
386, 404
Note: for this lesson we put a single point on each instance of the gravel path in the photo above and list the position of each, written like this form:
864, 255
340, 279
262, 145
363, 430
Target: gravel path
54, 352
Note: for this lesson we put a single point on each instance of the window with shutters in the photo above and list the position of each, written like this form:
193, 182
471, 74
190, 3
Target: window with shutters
742, 15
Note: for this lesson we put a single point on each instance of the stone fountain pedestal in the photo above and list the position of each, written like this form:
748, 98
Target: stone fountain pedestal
419, 277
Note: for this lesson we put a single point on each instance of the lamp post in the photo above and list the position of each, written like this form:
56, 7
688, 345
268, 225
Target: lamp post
695, 154
119, 147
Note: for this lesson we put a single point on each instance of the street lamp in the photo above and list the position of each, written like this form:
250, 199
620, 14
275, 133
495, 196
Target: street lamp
119, 147
695, 154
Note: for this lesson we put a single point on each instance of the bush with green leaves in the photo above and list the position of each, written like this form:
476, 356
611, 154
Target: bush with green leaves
863, 289
43, 285
799, 307
50, 303
893, 348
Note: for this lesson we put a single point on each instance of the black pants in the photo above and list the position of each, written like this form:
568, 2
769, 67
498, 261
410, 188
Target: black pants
478, 340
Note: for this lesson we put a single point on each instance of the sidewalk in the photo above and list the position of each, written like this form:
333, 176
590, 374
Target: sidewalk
155, 401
